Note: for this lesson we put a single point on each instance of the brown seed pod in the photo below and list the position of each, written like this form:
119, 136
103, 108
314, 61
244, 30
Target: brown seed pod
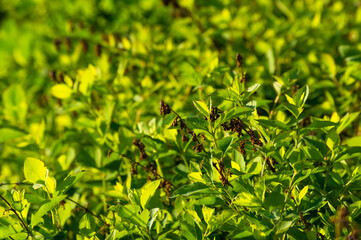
185, 138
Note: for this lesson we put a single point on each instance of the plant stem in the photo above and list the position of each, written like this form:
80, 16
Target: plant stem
87, 210
263, 167
17, 215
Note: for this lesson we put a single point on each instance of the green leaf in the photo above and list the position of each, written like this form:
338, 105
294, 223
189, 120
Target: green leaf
148, 191
251, 90
328, 64
301, 96
332, 139
87, 225
320, 125
224, 144
207, 213
14, 100
191, 189
152, 217
302, 193
354, 141
69, 181
246, 199
19, 236
61, 91
130, 213
293, 109
234, 112
346, 121
196, 123
190, 75
348, 51
45, 207
260, 189
356, 59
285, 224
216, 222
7, 134
273, 123
34, 170
300, 165
271, 61
202, 107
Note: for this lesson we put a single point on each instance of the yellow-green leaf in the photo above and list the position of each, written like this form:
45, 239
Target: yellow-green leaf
202, 107
246, 199
303, 192
61, 91
148, 191
328, 64
34, 170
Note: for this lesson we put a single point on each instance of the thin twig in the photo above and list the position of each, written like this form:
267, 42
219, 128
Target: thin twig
17, 215
189, 130
86, 209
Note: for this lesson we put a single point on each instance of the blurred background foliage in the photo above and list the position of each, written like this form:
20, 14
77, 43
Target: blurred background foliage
112, 61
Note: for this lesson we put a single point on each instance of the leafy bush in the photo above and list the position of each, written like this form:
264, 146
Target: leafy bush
137, 119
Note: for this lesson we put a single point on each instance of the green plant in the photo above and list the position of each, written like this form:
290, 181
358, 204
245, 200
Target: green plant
265, 145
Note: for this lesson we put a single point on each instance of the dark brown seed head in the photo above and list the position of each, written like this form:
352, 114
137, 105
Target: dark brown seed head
185, 138
239, 60
198, 148
68, 43
52, 75
143, 155
60, 77
84, 45
164, 108
175, 122
202, 136
138, 144
182, 125
98, 50
241, 147
57, 44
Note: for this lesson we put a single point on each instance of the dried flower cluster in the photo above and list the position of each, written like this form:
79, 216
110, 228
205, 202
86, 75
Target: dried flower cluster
164, 108
166, 184
198, 148
242, 145
140, 147
56, 77
271, 162
236, 125
214, 115
223, 175
239, 60
151, 168
185, 138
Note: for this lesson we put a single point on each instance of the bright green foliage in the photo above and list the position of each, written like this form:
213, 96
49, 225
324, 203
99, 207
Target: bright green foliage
264, 144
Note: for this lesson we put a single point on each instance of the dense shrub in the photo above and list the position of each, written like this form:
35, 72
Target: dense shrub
152, 119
